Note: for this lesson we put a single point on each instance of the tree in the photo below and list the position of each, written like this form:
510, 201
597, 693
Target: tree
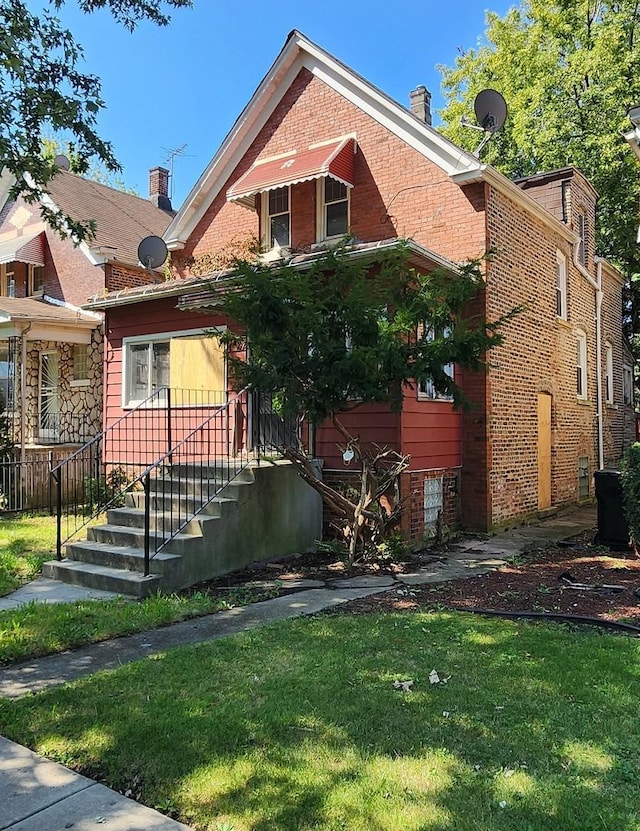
342, 331
42, 89
568, 70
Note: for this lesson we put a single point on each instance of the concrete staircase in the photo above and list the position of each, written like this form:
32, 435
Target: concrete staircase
265, 511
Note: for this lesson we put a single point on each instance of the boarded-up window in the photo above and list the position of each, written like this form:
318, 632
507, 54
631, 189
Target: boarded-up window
197, 365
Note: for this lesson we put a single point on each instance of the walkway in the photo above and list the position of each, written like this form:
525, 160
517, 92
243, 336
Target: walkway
38, 795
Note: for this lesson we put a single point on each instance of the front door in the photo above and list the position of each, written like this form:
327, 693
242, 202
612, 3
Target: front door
49, 405
544, 451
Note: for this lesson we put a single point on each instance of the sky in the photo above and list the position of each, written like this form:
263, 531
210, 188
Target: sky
181, 87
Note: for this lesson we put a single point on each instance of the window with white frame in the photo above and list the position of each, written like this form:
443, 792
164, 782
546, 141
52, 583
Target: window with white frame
627, 384
426, 387
35, 280
7, 280
608, 373
276, 214
581, 365
80, 358
191, 363
561, 285
581, 228
333, 201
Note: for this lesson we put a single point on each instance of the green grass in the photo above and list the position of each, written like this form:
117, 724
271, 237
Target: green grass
38, 629
298, 726
26, 542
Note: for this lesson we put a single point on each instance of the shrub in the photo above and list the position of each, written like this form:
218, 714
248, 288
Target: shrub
631, 492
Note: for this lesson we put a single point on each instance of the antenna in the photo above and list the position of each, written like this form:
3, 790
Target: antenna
152, 252
62, 162
177, 151
491, 113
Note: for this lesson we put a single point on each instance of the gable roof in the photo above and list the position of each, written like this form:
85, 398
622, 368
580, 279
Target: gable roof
122, 219
298, 53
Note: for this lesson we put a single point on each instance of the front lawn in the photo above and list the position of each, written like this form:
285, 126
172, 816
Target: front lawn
298, 726
26, 542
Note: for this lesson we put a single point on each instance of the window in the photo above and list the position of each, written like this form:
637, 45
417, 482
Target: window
193, 364
35, 280
427, 388
627, 384
581, 228
608, 373
277, 218
333, 198
561, 285
433, 505
80, 365
583, 478
7, 280
581, 365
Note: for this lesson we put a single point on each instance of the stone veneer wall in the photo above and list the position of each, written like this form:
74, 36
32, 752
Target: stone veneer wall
80, 406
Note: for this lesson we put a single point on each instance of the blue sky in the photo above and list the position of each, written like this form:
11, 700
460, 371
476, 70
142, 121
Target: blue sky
186, 84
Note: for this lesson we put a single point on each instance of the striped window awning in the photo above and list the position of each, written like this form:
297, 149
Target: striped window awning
26, 249
333, 159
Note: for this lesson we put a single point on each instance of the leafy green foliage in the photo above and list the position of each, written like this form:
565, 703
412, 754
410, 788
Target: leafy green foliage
630, 479
42, 88
348, 330
568, 72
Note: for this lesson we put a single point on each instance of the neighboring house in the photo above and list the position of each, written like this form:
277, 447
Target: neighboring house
51, 351
317, 153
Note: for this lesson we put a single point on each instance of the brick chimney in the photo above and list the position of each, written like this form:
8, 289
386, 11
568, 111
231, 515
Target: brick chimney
420, 99
159, 188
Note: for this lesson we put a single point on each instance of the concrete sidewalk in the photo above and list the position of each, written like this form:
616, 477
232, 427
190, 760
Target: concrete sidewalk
39, 795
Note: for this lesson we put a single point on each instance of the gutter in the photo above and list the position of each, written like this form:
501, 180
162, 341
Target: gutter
597, 287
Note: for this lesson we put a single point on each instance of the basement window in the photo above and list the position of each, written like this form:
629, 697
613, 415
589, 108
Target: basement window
583, 478
433, 505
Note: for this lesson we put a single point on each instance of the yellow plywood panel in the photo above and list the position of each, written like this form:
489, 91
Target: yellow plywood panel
544, 451
198, 364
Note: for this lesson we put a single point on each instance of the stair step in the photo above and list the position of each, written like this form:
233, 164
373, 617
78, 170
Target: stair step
120, 535
124, 556
116, 580
176, 503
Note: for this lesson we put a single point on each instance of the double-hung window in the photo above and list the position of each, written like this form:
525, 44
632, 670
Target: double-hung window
426, 387
581, 228
608, 373
333, 199
627, 384
191, 363
7, 280
35, 280
80, 359
277, 218
561, 285
581, 365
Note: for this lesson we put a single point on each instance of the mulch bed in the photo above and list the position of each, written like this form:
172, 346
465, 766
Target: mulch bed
540, 581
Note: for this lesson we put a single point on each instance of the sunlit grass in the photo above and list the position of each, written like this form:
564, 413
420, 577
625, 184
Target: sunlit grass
26, 542
298, 726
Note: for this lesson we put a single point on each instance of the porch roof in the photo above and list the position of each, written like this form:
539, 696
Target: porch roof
25, 249
199, 292
40, 319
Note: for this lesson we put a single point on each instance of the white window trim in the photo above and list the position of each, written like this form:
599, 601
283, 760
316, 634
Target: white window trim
265, 216
155, 338
608, 373
581, 340
561, 285
321, 214
449, 370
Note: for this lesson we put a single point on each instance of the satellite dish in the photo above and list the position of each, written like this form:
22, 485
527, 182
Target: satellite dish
491, 110
62, 162
152, 252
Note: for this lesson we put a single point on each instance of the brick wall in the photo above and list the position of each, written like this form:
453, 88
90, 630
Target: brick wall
120, 277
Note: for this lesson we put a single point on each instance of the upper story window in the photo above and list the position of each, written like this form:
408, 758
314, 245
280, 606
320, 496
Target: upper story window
627, 384
35, 280
277, 218
608, 373
581, 365
7, 280
581, 228
334, 208
561, 285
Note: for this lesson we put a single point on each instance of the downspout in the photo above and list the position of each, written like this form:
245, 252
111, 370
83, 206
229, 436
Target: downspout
23, 389
597, 286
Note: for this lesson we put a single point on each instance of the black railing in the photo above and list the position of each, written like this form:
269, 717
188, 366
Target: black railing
178, 449
97, 476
